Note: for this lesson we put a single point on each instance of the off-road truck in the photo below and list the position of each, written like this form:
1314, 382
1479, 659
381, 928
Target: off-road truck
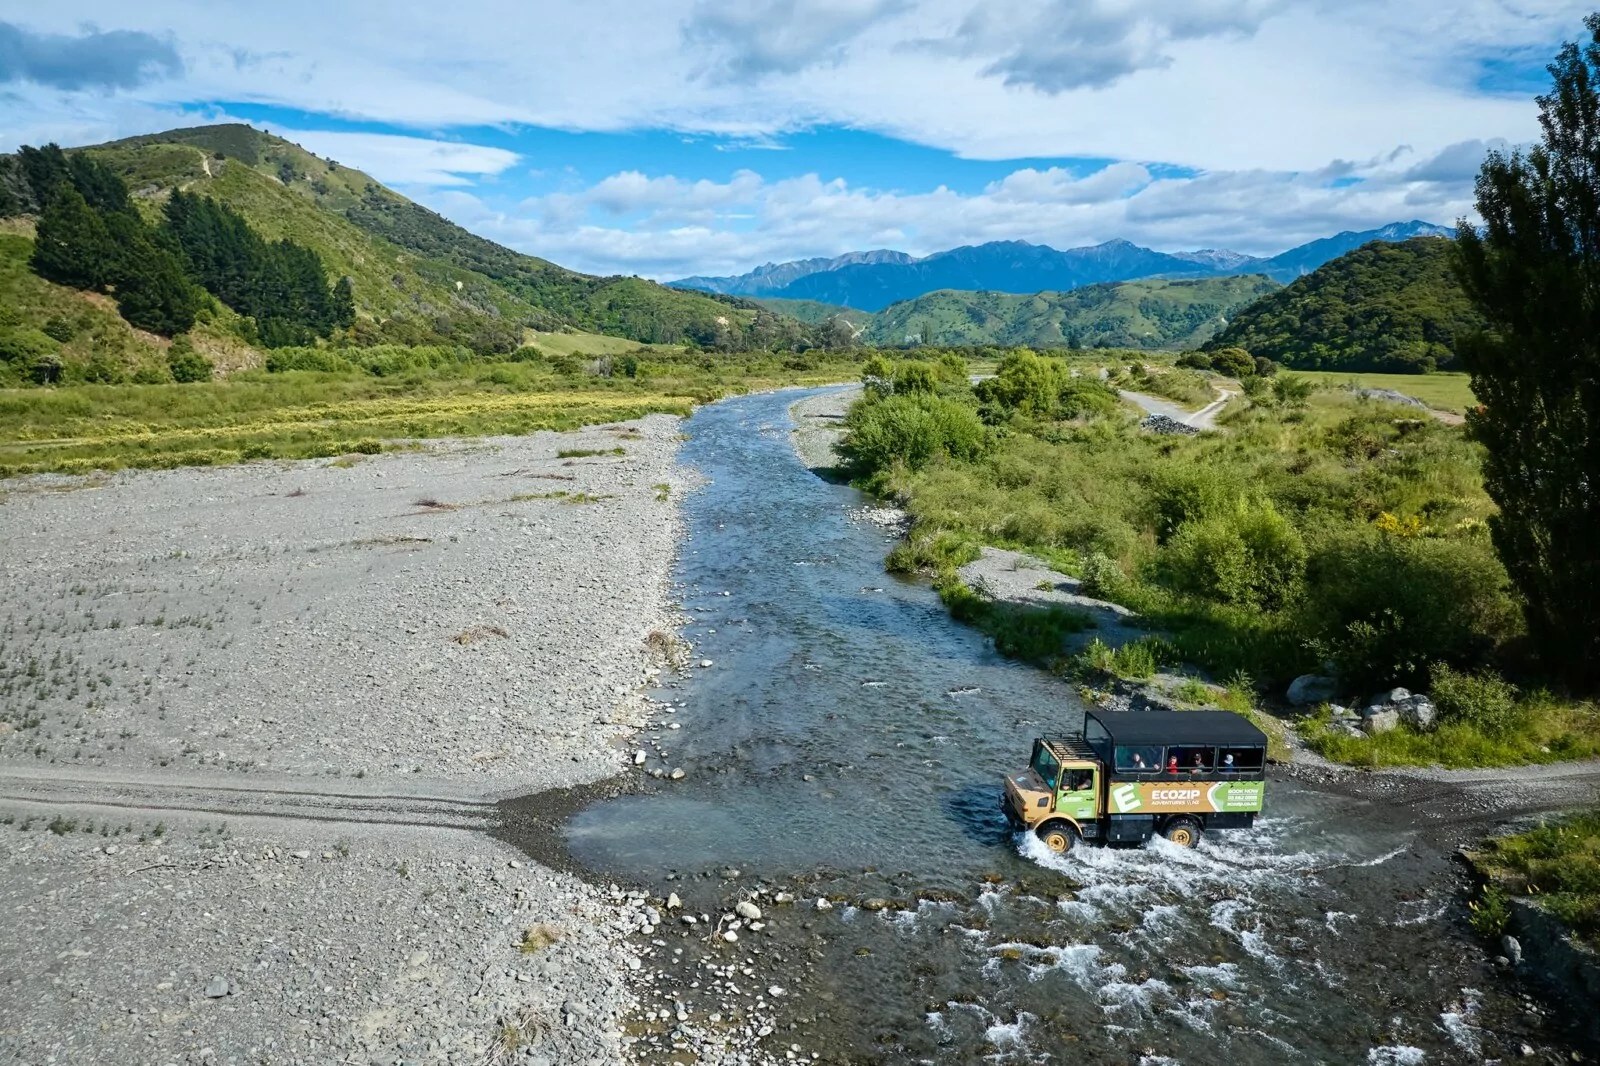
1131, 774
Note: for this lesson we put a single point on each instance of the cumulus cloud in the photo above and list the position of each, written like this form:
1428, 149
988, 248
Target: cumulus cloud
665, 227
744, 40
120, 59
409, 161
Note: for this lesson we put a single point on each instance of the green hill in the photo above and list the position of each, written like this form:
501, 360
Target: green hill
1393, 308
416, 277
812, 312
1131, 314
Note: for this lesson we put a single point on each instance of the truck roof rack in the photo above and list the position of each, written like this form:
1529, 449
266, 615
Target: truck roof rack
1064, 748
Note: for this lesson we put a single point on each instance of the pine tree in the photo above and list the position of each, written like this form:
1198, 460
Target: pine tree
159, 298
45, 170
73, 246
98, 183
1533, 270
344, 304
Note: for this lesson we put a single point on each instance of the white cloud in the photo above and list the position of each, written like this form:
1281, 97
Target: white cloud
1214, 84
399, 160
663, 227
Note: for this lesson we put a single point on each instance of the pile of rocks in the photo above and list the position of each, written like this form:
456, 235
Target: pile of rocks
891, 519
1382, 713
1388, 711
1167, 426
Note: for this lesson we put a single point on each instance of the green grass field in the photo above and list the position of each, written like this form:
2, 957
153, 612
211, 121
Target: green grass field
1443, 391
303, 414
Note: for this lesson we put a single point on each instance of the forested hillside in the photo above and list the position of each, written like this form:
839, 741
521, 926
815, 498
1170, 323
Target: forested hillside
1394, 308
1134, 314
411, 276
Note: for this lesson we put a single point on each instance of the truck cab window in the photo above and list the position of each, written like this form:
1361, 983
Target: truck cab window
1046, 766
1079, 780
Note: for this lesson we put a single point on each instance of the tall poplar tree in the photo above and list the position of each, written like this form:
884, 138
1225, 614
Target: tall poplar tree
1533, 271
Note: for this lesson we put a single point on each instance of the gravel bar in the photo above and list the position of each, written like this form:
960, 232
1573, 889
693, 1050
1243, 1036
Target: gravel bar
250, 720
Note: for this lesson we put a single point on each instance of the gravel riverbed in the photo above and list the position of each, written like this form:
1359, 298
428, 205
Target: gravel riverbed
350, 660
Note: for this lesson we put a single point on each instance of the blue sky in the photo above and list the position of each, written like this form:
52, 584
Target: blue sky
708, 136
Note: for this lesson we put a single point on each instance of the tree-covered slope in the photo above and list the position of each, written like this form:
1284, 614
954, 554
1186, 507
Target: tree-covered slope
1134, 314
409, 261
81, 334
1394, 308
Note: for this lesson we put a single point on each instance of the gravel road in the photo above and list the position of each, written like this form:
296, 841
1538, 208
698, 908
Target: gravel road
253, 724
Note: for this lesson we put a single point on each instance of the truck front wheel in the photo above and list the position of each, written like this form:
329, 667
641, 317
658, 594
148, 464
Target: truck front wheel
1059, 837
1184, 832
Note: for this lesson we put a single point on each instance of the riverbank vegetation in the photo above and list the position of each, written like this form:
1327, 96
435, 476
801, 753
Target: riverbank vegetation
1557, 864
329, 401
1318, 527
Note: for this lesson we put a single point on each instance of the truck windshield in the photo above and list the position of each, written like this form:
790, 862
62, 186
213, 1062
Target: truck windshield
1046, 766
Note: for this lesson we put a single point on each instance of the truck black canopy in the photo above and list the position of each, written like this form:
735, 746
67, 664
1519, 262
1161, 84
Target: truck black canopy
1220, 728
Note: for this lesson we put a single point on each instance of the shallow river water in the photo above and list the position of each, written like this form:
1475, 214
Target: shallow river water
848, 742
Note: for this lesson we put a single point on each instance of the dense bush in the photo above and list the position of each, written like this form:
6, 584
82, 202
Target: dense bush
186, 364
1385, 608
1247, 555
1483, 700
385, 360
911, 430
1235, 362
1039, 387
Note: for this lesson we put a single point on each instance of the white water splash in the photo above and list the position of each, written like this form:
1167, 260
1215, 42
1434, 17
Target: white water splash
1458, 1023
1396, 1056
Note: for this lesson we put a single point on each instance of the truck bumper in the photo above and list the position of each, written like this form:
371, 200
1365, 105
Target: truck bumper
1010, 811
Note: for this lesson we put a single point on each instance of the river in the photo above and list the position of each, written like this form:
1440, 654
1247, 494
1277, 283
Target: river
847, 743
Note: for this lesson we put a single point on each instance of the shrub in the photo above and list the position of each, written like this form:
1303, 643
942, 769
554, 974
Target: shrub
1249, 556
1490, 912
914, 376
1187, 492
59, 328
1386, 608
877, 377
1025, 383
1235, 362
1102, 577
1291, 390
913, 430
24, 347
1194, 361
187, 364
1483, 700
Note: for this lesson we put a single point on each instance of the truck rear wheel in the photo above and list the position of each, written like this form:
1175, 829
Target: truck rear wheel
1184, 832
1059, 837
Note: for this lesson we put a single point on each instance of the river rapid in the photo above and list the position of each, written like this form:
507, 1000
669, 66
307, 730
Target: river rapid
847, 743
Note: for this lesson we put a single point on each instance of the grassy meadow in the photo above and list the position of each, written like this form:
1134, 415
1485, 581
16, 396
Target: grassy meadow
391, 396
1443, 390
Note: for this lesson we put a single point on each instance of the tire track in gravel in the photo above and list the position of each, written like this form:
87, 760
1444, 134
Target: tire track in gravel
277, 798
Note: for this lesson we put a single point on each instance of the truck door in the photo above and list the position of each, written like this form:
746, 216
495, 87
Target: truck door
1078, 796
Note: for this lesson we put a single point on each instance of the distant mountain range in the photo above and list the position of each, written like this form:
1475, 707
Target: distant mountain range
872, 281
